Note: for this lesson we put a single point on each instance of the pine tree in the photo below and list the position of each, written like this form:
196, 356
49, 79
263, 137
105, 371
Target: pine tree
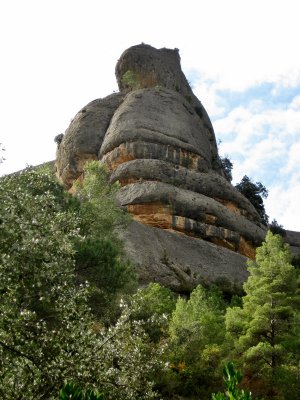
264, 330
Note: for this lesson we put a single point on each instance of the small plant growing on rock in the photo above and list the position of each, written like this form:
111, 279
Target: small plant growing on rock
227, 165
254, 192
58, 138
131, 80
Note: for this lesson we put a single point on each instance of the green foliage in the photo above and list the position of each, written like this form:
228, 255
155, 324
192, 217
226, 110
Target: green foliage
99, 256
277, 229
73, 392
255, 192
232, 378
296, 261
197, 334
265, 331
227, 166
152, 307
131, 361
47, 333
131, 79
59, 256
99, 211
98, 261
44, 319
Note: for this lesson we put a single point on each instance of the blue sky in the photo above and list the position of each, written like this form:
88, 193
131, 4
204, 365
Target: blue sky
259, 129
241, 57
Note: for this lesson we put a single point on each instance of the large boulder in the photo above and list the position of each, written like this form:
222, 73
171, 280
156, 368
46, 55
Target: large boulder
157, 140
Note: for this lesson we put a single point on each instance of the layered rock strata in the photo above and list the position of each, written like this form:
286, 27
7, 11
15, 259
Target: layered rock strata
156, 139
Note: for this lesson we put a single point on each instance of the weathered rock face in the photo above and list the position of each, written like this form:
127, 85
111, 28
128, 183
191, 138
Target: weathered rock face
293, 239
84, 137
155, 68
157, 140
181, 262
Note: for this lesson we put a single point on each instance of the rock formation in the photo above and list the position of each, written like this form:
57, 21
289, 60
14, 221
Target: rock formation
190, 224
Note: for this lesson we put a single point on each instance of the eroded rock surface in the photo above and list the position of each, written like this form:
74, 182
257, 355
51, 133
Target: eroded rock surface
293, 239
84, 136
156, 139
182, 262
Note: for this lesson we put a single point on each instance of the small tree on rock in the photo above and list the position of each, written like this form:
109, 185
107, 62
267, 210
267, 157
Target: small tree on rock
255, 192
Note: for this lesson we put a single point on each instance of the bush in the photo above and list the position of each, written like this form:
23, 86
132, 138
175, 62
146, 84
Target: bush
131, 80
227, 166
277, 229
254, 192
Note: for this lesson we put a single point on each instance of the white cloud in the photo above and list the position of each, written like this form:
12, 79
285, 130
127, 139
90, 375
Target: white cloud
292, 164
283, 205
260, 157
295, 104
289, 79
261, 136
206, 91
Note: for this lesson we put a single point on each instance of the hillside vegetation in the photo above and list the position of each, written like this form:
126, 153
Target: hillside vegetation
72, 319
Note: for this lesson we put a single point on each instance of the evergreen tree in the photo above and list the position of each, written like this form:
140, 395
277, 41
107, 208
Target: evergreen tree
265, 330
255, 193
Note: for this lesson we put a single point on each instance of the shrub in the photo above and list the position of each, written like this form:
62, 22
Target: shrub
254, 192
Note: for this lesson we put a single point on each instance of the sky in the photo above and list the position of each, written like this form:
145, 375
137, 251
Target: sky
241, 57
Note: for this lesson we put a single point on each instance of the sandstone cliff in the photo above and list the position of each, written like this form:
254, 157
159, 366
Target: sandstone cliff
190, 224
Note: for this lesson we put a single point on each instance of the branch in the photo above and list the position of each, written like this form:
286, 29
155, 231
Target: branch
19, 353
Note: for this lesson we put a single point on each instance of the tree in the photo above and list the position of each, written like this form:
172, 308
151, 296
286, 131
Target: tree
98, 206
152, 306
227, 166
48, 336
197, 334
130, 361
44, 320
254, 192
99, 258
265, 330
99, 261
277, 229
